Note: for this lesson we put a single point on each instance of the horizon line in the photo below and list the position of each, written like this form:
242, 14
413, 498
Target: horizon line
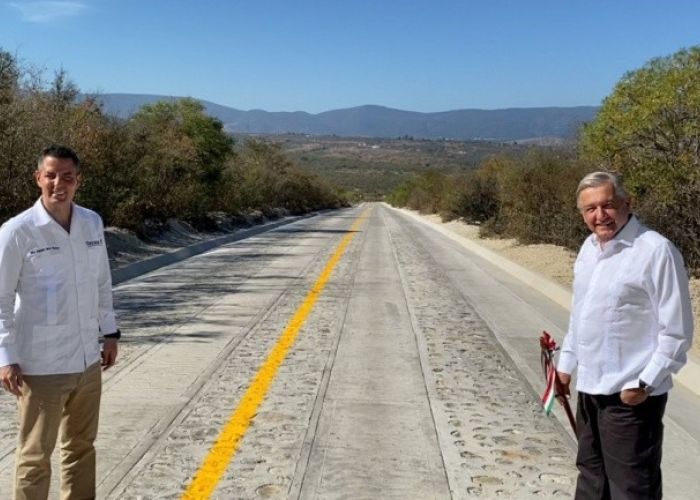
176, 97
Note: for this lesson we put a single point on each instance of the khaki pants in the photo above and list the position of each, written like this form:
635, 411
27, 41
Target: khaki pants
70, 402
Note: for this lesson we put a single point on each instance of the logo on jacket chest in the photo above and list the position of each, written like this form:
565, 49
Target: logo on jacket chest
38, 251
94, 243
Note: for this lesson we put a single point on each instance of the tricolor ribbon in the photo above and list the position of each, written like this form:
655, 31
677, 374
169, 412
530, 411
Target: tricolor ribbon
553, 389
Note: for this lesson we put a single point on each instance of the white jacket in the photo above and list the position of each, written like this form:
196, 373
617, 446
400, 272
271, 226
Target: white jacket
55, 292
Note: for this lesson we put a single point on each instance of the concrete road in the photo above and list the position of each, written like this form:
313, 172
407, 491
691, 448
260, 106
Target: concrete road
407, 374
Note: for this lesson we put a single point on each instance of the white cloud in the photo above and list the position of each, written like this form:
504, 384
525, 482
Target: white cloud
46, 11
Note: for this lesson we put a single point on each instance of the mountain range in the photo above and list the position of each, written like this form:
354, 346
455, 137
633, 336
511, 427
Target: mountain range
513, 124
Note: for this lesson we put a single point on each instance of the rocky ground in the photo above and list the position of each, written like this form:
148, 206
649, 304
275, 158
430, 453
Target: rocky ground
490, 427
549, 260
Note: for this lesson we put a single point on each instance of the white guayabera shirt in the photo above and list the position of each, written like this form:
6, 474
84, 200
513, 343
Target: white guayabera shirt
55, 292
631, 318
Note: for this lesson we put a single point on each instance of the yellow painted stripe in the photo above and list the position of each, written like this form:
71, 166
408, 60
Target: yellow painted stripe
226, 445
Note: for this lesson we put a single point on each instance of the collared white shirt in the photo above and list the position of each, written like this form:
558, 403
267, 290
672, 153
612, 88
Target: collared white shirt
55, 292
631, 316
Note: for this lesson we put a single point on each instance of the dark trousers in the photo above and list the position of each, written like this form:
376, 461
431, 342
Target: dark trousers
619, 448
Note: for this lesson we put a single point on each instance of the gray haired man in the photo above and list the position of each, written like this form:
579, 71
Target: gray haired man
630, 327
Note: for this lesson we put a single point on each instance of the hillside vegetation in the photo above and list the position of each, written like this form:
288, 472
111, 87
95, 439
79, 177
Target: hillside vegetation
371, 168
169, 159
648, 129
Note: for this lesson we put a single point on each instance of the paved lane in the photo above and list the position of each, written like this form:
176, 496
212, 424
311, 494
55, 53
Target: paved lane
396, 386
516, 312
376, 436
180, 324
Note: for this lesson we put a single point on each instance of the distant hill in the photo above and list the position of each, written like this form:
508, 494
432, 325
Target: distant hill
513, 124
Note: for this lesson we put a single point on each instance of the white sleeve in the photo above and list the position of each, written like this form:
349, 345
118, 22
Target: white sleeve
106, 317
568, 360
11, 259
671, 298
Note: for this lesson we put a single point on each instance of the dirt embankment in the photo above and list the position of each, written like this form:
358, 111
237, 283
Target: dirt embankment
124, 247
549, 260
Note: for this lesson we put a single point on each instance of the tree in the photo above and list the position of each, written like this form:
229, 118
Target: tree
178, 154
17, 139
9, 77
477, 194
536, 202
650, 125
169, 160
62, 91
649, 129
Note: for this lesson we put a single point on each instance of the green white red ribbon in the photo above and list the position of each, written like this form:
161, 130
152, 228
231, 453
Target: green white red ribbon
548, 346
549, 392
554, 389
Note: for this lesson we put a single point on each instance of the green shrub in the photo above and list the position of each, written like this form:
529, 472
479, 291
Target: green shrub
168, 160
648, 129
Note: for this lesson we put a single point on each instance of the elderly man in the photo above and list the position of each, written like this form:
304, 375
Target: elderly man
630, 328
55, 299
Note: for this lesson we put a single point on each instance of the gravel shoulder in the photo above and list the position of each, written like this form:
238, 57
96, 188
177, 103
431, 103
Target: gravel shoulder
552, 261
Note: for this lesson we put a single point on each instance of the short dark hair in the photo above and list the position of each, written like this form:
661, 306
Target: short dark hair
57, 151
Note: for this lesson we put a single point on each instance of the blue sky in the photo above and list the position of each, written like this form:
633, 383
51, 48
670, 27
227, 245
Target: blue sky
320, 55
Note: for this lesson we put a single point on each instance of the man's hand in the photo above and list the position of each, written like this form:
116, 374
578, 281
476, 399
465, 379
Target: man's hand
11, 379
633, 397
109, 353
561, 384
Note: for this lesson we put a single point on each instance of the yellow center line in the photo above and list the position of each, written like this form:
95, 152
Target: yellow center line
226, 445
